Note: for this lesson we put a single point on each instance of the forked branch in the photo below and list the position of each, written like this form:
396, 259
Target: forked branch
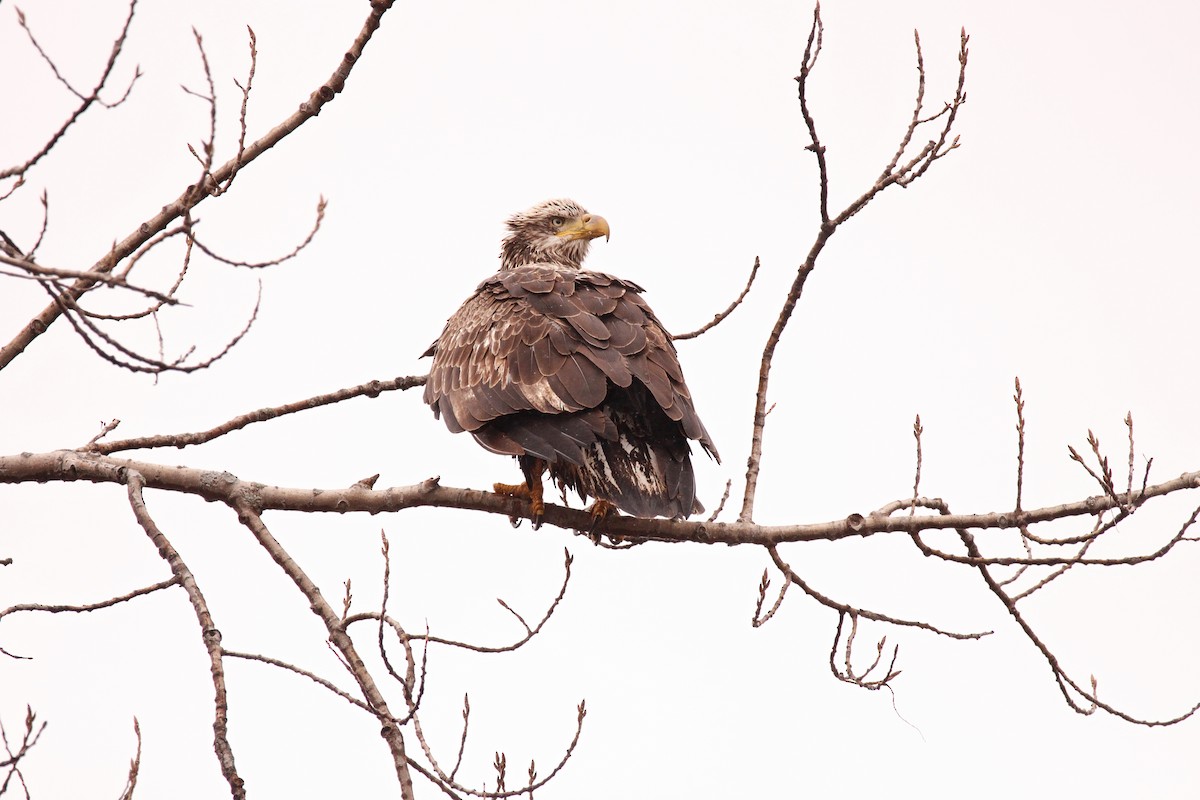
894, 173
86, 101
210, 185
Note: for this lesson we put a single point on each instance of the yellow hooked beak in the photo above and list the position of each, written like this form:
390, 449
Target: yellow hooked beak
588, 226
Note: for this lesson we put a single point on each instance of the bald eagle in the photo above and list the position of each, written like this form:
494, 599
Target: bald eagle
570, 371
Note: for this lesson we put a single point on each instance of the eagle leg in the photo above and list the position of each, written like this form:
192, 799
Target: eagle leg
531, 490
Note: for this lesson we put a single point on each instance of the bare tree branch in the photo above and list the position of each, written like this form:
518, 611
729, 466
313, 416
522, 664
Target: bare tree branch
370, 389
759, 619
109, 603
1065, 683
855, 613
241, 148
86, 101
34, 271
195, 194
33, 732
848, 674
248, 515
893, 174
501, 792
321, 205
71, 465
135, 764
129, 359
209, 634
1041, 558
317, 679
568, 559
719, 318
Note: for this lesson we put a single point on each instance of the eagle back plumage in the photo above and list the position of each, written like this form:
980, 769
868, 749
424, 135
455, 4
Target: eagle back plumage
573, 368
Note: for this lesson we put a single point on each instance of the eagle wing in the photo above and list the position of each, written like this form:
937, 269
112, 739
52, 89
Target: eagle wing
549, 340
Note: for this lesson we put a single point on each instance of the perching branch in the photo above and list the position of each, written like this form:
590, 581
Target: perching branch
72, 465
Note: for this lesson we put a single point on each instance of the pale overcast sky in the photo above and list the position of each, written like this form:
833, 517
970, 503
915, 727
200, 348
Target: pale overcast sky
1056, 244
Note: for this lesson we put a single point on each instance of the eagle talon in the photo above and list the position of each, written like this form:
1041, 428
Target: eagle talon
598, 511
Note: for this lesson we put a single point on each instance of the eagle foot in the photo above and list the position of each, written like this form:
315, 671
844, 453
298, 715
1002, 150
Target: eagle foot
598, 511
524, 492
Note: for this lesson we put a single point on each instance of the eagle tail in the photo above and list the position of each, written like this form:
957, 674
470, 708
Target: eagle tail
627, 451
644, 465
645, 478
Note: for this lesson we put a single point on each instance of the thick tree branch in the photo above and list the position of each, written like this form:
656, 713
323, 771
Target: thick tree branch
72, 465
209, 633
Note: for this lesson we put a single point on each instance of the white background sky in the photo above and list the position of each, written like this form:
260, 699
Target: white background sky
1057, 244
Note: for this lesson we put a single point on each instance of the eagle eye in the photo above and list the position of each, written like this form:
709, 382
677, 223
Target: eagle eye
557, 222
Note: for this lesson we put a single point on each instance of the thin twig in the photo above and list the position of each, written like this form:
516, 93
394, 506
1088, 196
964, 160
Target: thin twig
462, 742
568, 559
86, 102
500, 793
321, 205
1019, 399
39, 272
759, 619
109, 603
719, 318
848, 675
317, 679
241, 148
721, 505
828, 602
195, 194
248, 515
180, 440
917, 431
135, 764
1065, 683
134, 361
893, 175
33, 732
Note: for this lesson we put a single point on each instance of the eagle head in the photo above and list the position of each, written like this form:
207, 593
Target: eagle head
554, 232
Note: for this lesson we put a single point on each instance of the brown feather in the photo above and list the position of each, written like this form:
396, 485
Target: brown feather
547, 361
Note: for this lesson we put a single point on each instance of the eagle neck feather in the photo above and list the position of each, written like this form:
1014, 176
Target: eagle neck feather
517, 251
